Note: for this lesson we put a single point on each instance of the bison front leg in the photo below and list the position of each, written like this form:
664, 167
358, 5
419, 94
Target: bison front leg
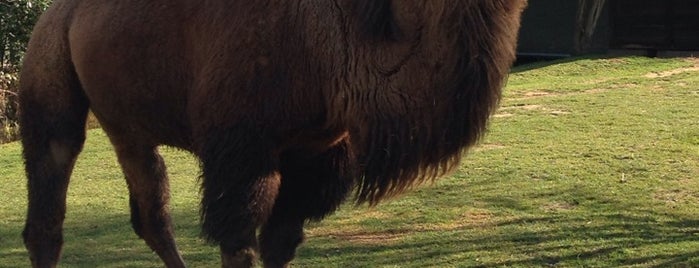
149, 195
280, 237
313, 186
240, 184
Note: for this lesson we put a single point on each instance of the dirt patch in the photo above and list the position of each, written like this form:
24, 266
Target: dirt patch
595, 90
558, 112
354, 234
522, 107
534, 94
488, 147
674, 196
381, 238
472, 218
371, 214
558, 206
503, 112
351, 230
501, 115
477, 218
663, 74
671, 72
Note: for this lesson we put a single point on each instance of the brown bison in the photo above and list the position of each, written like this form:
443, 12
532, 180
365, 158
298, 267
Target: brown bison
290, 105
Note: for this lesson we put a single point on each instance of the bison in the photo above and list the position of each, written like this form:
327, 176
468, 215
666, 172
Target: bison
291, 106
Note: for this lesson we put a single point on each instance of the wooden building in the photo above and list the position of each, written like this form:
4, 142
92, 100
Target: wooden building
549, 27
654, 24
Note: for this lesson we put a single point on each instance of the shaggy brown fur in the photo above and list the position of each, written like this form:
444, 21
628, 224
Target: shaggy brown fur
289, 105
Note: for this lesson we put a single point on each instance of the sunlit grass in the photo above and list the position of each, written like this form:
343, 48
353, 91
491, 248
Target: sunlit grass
588, 163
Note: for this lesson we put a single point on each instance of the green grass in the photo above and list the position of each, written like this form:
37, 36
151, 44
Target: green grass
588, 163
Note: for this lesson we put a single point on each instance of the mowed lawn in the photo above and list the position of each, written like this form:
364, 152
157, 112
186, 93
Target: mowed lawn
588, 163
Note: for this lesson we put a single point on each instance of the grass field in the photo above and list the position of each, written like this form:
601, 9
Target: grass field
588, 163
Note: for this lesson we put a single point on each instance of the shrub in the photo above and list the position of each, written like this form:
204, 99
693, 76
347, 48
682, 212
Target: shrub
17, 18
8, 104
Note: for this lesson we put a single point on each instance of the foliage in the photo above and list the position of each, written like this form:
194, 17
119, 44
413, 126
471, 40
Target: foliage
17, 18
588, 163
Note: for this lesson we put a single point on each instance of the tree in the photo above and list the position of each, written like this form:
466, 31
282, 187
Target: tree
588, 15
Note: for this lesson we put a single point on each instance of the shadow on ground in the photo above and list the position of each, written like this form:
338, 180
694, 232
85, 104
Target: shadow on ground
628, 237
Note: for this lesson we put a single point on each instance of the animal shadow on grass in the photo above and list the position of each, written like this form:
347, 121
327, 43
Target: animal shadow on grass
606, 238
107, 240
626, 237
622, 238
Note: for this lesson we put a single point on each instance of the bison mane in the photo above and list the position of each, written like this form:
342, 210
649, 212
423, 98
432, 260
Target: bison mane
417, 142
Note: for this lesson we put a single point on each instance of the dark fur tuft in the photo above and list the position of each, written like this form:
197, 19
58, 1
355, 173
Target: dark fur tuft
315, 186
376, 19
236, 167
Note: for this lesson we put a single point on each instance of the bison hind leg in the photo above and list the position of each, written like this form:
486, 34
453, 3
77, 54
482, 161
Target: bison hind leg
52, 127
49, 151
